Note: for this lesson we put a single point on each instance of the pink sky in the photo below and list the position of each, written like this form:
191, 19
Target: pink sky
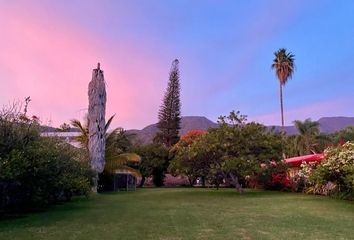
49, 48
52, 63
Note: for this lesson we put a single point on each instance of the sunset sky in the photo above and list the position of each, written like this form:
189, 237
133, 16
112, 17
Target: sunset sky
49, 48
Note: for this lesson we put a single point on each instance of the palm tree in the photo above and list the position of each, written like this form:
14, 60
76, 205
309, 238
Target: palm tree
306, 140
115, 157
284, 67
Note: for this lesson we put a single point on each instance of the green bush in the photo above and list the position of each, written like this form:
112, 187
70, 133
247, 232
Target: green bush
335, 175
154, 162
36, 171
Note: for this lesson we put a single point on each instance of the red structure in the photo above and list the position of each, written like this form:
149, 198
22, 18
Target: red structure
296, 161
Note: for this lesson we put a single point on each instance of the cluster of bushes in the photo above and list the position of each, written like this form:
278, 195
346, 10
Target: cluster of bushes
333, 176
36, 171
273, 176
228, 155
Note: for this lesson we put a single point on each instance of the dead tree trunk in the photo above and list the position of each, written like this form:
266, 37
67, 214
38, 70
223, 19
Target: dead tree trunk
96, 122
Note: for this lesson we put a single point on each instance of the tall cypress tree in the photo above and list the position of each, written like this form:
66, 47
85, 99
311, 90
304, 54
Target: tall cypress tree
170, 110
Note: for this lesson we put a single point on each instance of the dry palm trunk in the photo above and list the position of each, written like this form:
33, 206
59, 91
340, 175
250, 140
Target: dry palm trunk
96, 121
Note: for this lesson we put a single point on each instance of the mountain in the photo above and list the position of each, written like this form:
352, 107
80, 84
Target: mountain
333, 124
327, 125
146, 135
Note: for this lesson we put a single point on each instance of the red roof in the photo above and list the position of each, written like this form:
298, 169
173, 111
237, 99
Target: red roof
296, 161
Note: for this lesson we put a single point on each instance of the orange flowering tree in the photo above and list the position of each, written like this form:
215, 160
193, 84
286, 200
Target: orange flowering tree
182, 163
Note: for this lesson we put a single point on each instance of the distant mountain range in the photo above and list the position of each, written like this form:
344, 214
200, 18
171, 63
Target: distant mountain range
146, 135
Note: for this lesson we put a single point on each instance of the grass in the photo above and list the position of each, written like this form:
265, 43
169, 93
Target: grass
184, 213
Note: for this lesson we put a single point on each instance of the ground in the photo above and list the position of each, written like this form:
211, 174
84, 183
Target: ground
186, 213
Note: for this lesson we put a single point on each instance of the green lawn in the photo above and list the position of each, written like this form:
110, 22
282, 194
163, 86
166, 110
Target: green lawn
189, 214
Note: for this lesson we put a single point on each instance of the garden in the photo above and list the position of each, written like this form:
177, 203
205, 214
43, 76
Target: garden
239, 180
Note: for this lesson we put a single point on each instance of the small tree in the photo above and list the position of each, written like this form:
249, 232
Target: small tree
64, 127
170, 110
306, 139
236, 149
183, 164
154, 160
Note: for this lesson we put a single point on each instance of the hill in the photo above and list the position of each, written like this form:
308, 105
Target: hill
146, 135
327, 125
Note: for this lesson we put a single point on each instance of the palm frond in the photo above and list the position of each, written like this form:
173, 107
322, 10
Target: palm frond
126, 169
108, 123
84, 137
117, 162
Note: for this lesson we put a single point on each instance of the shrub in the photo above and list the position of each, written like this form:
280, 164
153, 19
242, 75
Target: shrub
335, 175
36, 171
273, 176
154, 162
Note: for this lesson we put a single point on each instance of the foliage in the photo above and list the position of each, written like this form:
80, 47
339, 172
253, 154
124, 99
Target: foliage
117, 156
273, 176
64, 127
295, 145
336, 172
284, 67
344, 135
154, 161
36, 171
333, 176
170, 111
236, 149
183, 163
305, 141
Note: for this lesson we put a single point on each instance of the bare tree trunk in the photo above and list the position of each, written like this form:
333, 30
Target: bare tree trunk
282, 120
142, 181
96, 121
191, 180
235, 181
281, 108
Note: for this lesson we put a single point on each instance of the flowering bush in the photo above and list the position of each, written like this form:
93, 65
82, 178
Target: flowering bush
300, 181
337, 170
334, 176
273, 176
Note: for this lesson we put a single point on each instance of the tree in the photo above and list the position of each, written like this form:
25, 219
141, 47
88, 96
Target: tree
344, 135
154, 160
83, 138
64, 127
97, 122
182, 163
284, 67
170, 110
116, 147
236, 149
308, 132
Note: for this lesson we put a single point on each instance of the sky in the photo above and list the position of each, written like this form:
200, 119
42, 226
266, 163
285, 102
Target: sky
49, 48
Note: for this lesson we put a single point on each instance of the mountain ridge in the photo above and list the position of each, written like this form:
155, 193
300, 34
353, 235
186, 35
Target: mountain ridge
146, 135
